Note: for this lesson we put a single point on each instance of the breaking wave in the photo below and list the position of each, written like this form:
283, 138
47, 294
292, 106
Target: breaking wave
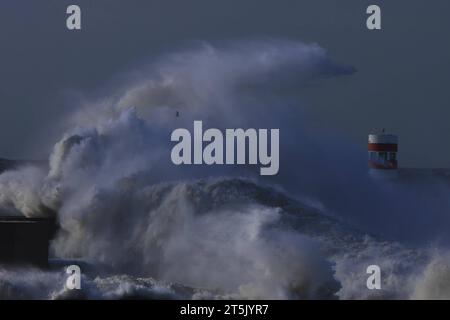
144, 228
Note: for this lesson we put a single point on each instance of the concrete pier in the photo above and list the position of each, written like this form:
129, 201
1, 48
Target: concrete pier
25, 241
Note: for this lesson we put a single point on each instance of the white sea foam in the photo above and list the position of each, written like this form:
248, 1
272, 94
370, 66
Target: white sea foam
151, 229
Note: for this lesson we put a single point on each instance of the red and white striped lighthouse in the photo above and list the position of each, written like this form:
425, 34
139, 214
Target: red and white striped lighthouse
383, 152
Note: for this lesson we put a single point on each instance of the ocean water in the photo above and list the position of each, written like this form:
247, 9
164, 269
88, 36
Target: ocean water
228, 238
141, 227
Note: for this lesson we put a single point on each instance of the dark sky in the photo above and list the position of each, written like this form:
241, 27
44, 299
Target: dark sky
401, 84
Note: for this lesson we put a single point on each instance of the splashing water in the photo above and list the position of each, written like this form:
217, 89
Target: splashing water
151, 229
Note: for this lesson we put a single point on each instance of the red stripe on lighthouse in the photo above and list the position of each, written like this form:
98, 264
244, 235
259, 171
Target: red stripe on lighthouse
387, 147
390, 165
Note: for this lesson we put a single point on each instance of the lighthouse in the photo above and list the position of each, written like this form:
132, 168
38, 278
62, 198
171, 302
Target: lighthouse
383, 150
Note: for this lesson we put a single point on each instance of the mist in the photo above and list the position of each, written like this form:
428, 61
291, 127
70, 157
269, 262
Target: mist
120, 201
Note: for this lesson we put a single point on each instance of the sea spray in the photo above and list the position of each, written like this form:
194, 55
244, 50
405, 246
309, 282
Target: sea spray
123, 205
